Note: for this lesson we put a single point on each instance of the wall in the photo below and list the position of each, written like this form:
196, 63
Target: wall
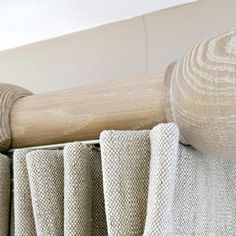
143, 45
33, 21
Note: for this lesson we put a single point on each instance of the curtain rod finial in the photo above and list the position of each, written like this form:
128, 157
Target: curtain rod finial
201, 95
8, 95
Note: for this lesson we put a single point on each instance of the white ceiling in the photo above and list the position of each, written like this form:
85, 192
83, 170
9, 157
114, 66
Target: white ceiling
26, 21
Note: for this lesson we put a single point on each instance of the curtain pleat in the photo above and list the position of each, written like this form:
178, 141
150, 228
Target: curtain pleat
78, 193
125, 165
23, 210
84, 203
12, 217
46, 175
140, 183
99, 224
164, 156
5, 190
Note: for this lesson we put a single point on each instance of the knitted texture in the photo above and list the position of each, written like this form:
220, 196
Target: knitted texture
23, 211
46, 171
125, 164
5, 190
84, 204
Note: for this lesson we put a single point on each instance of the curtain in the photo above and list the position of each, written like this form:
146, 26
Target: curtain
5, 183
138, 183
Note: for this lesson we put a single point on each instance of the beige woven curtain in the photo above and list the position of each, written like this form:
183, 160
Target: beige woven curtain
140, 183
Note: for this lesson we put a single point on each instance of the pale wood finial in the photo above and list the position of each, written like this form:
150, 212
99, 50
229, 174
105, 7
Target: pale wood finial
8, 95
201, 95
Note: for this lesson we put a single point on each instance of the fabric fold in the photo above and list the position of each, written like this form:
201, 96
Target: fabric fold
77, 190
141, 183
99, 224
45, 168
164, 156
12, 217
83, 201
5, 194
125, 165
23, 211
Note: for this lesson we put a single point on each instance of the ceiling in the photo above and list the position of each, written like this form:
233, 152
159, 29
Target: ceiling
27, 21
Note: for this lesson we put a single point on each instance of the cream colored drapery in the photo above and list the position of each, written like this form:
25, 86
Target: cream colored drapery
140, 183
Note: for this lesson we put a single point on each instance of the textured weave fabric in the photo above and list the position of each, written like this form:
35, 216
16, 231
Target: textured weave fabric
23, 211
45, 170
153, 186
164, 153
189, 193
78, 196
99, 224
5, 190
195, 197
84, 204
125, 164
12, 218
205, 195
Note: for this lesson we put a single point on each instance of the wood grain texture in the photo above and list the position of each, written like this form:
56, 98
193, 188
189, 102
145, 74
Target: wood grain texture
197, 92
201, 95
82, 113
8, 95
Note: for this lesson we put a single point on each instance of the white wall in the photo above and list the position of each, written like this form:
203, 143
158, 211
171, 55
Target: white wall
27, 21
144, 45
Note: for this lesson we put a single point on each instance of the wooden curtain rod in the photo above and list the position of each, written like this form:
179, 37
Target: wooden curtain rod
82, 113
198, 93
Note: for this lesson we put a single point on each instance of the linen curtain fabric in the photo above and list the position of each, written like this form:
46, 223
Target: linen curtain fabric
5, 188
139, 183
